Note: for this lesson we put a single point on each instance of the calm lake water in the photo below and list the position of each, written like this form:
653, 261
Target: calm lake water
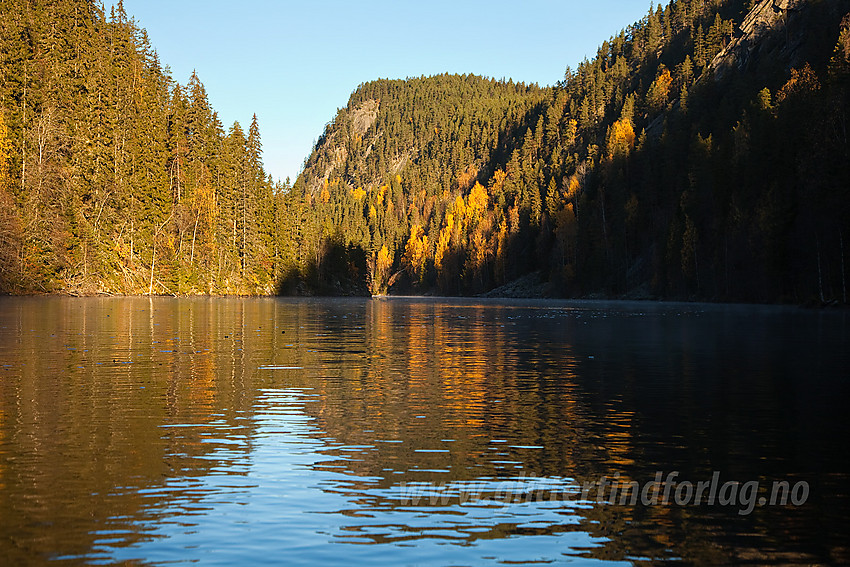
429, 432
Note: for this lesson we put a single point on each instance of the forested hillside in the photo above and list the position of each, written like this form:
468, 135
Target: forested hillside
702, 153
115, 178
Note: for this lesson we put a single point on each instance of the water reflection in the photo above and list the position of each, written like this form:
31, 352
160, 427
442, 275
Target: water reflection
232, 430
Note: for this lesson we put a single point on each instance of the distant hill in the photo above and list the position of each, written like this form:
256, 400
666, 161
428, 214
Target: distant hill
702, 153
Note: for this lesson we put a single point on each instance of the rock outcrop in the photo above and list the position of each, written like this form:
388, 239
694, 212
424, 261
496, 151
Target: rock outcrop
775, 31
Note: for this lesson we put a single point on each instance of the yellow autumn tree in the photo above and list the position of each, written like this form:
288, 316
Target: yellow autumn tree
382, 270
573, 187
477, 201
443, 242
380, 196
621, 138
459, 208
415, 253
385, 261
460, 216
475, 230
498, 181
206, 214
479, 253
659, 90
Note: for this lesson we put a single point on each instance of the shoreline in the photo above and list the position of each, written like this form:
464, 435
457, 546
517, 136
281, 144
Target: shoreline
594, 298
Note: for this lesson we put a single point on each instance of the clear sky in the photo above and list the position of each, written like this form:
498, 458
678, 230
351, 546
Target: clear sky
294, 63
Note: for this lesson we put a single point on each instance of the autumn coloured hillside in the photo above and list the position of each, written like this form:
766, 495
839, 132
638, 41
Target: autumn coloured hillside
701, 154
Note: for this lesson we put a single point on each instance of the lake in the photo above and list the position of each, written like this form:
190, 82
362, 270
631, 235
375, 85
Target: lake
421, 431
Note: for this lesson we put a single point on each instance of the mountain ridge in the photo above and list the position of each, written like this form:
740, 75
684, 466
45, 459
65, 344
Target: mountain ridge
573, 187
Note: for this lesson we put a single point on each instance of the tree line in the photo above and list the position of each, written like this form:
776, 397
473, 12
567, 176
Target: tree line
658, 168
702, 153
114, 177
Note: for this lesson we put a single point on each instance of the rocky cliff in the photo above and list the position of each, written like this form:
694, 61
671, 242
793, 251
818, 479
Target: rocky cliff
780, 33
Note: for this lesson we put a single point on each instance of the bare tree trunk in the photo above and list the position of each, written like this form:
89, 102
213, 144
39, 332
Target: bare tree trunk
153, 256
153, 263
42, 129
194, 232
24, 138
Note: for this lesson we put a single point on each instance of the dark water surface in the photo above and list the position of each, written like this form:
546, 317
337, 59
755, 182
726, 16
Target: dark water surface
429, 432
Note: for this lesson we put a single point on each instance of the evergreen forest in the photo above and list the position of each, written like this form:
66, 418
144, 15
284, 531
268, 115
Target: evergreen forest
114, 178
701, 154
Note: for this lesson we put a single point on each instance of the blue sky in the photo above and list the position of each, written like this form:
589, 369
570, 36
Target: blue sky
295, 63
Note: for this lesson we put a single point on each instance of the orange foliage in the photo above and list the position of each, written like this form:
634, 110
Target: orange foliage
480, 249
498, 180
381, 192
659, 90
459, 209
443, 241
379, 270
621, 137
416, 251
385, 261
358, 193
573, 187
477, 200
801, 81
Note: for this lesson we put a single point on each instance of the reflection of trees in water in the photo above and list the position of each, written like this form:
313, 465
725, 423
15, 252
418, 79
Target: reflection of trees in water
456, 394
89, 392
89, 442
479, 374
443, 377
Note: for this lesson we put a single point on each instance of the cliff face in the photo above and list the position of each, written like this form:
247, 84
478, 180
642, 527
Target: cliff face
780, 33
